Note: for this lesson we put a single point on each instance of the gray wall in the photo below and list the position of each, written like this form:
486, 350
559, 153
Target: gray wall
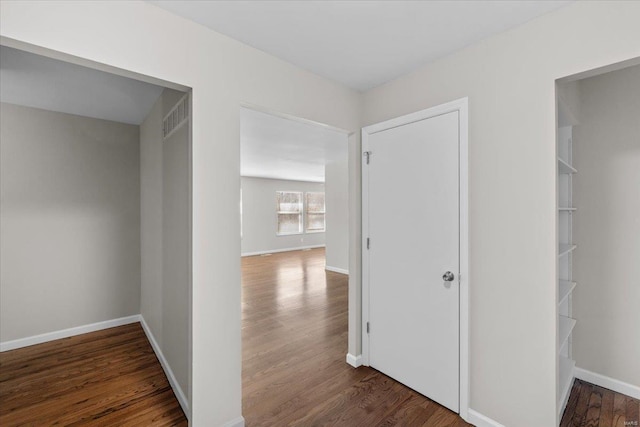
164, 204
175, 254
259, 217
151, 220
336, 172
69, 221
606, 147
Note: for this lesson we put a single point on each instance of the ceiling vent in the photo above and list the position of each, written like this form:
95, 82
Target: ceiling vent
176, 117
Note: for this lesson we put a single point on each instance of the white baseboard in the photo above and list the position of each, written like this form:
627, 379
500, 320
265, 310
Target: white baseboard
479, 420
607, 382
336, 270
182, 398
65, 333
236, 422
275, 251
354, 361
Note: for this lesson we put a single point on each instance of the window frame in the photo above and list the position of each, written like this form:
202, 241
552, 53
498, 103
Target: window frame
307, 212
300, 213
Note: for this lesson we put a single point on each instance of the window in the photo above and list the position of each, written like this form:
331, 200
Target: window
289, 210
315, 212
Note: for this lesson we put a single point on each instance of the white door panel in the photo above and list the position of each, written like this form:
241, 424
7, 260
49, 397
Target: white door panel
413, 220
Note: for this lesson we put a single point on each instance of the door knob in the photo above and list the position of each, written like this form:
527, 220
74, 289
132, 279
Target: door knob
448, 276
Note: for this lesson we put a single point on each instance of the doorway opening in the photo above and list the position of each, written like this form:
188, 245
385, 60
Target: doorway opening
95, 233
295, 259
598, 170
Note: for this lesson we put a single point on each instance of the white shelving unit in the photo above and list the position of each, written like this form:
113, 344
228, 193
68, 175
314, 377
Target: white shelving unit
565, 371
564, 167
566, 248
564, 290
565, 327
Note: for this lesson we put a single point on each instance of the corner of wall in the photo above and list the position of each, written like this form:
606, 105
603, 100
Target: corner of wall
180, 395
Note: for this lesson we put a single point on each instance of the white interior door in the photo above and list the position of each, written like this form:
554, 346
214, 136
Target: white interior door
413, 226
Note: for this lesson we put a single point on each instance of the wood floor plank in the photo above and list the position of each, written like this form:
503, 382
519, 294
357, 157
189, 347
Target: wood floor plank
581, 406
592, 418
104, 378
407, 413
632, 412
316, 391
423, 416
571, 404
606, 410
619, 410
441, 418
61, 384
593, 406
67, 345
294, 336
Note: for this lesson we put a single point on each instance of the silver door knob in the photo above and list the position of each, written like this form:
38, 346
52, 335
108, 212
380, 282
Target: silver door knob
448, 276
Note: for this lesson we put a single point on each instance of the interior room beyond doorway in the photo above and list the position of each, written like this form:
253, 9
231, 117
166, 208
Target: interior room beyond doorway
95, 242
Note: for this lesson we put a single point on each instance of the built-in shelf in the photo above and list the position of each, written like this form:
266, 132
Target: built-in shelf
564, 249
564, 167
565, 326
565, 377
564, 289
565, 284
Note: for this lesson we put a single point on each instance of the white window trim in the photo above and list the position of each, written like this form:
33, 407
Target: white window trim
300, 213
306, 212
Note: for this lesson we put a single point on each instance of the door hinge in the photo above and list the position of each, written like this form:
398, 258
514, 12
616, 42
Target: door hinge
367, 155
368, 243
367, 327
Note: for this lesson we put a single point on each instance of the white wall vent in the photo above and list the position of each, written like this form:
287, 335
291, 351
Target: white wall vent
178, 115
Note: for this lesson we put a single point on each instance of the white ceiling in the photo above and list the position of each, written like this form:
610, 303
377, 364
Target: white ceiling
278, 148
361, 44
40, 82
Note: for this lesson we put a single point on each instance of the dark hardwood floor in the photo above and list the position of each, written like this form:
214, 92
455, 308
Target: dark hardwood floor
593, 406
105, 378
294, 332
294, 343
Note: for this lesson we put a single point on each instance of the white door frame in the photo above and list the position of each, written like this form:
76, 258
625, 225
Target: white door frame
462, 107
